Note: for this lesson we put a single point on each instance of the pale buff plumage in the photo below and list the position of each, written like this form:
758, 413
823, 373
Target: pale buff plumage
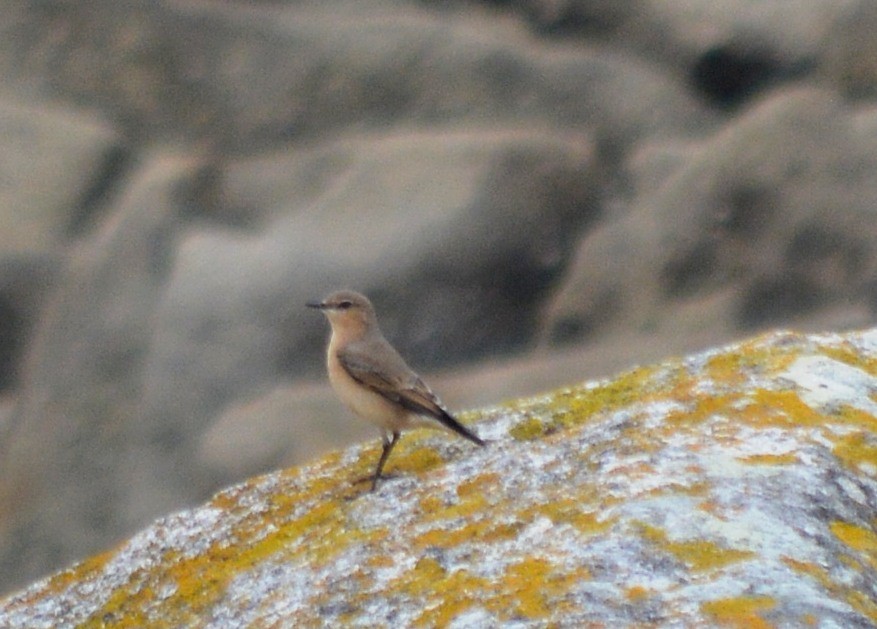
372, 379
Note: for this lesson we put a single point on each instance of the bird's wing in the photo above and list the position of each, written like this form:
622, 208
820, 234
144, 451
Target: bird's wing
393, 379
381, 369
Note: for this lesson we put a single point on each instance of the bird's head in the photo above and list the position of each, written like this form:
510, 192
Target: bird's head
347, 309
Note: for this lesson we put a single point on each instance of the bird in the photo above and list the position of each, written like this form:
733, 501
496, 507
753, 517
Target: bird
372, 378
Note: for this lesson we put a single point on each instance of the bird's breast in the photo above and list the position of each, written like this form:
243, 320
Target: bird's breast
364, 402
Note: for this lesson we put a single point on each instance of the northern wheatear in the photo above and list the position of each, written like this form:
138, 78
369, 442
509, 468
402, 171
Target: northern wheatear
372, 379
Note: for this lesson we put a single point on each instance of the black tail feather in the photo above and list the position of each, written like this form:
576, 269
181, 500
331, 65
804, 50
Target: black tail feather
448, 420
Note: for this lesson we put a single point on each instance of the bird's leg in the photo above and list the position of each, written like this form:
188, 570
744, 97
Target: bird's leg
388, 445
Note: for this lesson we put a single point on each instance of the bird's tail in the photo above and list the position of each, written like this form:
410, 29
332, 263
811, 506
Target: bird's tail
452, 424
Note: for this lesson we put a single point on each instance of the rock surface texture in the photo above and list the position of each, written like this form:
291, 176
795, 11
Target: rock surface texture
566, 186
735, 487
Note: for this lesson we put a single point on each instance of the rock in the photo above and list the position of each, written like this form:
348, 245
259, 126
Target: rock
729, 51
849, 59
55, 163
733, 487
76, 456
767, 221
286, 426
628, 179
25, 281
302, 70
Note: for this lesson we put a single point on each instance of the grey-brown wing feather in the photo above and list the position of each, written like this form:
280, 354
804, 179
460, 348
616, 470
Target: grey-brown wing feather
381, 369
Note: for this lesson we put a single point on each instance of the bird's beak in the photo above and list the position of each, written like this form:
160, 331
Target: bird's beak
316, 304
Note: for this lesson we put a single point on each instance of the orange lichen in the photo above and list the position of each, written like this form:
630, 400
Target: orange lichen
701, 408
636, 593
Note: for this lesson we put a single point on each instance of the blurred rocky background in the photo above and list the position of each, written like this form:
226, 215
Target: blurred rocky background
533, 192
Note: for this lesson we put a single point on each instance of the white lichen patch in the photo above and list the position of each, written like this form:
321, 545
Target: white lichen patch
826, 383
734, 487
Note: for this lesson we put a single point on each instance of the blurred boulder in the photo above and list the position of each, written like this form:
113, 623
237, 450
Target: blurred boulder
55, 163
768, 221
25, 281
850, 61
240, 76
727, 51
288, 424
75, 448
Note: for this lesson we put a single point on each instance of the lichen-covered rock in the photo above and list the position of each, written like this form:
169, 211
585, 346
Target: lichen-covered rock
178, 176
736, 486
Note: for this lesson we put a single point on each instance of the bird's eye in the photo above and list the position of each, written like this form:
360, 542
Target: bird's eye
344, 305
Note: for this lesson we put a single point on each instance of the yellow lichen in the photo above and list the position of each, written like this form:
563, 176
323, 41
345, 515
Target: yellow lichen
480, 484
569, 511
62, 580
573, 407
699, 555
742, 611
851, 416
857, 450
119, 611
529, 429
524, 579
732, 368
729, 367
196, 582
483, 529
780, 408
415, 460
431, 503
769, 459
445, 595
847, 354
532, 589
308, 520
858, 538
859, 601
